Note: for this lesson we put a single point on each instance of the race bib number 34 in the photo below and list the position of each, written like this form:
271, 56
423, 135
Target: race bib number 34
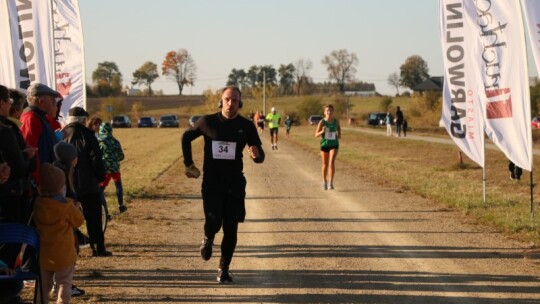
223, 150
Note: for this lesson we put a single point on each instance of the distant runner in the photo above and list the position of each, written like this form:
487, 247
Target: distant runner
274, 120
330, 132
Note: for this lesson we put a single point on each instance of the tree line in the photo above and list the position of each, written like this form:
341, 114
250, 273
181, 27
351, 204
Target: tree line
288, 79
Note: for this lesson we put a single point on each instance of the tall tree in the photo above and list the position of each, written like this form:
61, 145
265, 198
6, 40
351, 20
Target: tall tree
237, 78
107, 78
301, 74
256, 75
413, 71
341, 67
146, 75
180, 67
286, 78
393, 80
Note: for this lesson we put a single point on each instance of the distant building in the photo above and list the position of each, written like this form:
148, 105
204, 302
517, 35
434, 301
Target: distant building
369, 93
132, 92
432, 84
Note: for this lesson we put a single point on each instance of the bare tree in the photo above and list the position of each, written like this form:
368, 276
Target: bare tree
341, 66
180, 67
393, 80
300, 73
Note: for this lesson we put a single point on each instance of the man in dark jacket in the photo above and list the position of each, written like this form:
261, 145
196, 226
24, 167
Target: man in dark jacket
89, 172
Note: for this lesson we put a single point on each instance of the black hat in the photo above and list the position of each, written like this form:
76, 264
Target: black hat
77, 111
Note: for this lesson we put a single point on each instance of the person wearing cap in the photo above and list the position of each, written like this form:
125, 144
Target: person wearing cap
36, 128
89, 172
274, 119
55, 217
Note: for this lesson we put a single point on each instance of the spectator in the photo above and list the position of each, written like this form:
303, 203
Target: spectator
404, 127
17, 107
66, 160
15, 192
56, 217
94, 123
89, 172
399, 121
112, 155
515, 171
388, 123
11, 169
36, 128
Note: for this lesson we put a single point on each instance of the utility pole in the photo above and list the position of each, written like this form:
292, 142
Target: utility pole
264, 93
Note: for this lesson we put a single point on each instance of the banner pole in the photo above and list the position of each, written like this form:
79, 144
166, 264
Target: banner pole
532, 200
484, 174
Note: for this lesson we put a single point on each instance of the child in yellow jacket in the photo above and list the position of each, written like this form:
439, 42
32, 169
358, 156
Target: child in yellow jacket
56, 217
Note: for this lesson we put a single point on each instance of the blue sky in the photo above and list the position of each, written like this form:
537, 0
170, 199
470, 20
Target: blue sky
222, 35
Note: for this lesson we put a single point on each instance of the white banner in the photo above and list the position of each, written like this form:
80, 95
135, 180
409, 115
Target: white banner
531, 13
31, 42
7, 72
461, 111
499, 54
68, 54
46, 46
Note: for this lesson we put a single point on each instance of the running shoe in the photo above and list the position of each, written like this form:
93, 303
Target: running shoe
331, 186
325, 186
206, 248
224, 276
76, 292
122, 208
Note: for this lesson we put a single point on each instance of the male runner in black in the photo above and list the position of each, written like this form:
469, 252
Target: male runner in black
226, 134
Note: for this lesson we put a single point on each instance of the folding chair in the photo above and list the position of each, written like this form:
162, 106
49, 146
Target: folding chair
25, 235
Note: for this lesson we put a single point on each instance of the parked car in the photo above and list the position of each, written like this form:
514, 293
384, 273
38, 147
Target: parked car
314, 119
376, 118
121, 121
146, 122
170, 121
535, 122
193, 119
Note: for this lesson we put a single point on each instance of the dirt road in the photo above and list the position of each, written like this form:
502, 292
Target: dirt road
360, 243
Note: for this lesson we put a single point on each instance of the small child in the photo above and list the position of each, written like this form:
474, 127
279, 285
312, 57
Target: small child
112, 155
404, 126
66, 160
56, 217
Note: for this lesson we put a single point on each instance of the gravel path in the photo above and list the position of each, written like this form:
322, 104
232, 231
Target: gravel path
360, 243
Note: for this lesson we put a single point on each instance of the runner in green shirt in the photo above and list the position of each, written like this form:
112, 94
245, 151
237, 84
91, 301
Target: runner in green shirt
330, 132
274, 120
